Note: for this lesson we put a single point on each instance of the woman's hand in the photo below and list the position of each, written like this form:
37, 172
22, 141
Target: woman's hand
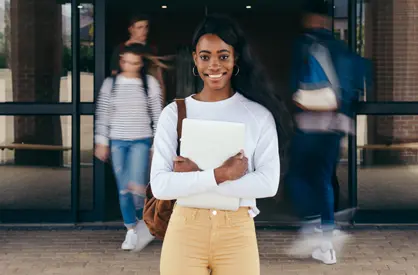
232, 169
185, 165
101, 152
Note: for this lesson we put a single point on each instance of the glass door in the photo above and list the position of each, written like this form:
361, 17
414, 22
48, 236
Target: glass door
46, 54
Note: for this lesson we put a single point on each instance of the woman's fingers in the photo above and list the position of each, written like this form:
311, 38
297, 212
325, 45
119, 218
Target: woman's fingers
240, 155
179, 159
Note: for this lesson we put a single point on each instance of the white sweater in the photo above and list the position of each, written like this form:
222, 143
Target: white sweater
261, 149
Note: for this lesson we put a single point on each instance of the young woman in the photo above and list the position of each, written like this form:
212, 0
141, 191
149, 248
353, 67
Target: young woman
128, 105
234, 90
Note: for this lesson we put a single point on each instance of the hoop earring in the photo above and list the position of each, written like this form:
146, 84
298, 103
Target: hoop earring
237, 70
193, 71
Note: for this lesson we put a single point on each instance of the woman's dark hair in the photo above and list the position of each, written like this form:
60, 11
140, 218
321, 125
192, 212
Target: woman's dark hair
251, 81
140, 50
134, 48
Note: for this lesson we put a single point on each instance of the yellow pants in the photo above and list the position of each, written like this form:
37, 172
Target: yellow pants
200, 240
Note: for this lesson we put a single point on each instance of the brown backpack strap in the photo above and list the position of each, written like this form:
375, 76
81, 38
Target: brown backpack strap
181, 114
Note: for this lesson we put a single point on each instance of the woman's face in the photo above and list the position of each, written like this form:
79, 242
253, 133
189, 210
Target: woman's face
130, 63
214, 60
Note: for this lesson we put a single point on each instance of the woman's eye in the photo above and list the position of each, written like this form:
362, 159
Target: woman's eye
204, 57
224, 57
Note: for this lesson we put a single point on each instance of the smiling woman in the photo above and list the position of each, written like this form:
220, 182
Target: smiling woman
215, 62
234, 90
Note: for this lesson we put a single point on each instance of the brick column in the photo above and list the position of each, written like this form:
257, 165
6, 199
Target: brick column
36, 56
395, 54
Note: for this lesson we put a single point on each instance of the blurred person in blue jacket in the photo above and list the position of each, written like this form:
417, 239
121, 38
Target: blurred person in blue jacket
327, 79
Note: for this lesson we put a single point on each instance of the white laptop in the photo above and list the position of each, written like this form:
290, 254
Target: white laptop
209, 144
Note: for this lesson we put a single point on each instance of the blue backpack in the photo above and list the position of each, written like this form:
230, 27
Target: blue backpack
329, 80
330, 64
319, 87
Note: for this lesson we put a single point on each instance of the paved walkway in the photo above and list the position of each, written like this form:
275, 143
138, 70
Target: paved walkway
51, 189
97, 252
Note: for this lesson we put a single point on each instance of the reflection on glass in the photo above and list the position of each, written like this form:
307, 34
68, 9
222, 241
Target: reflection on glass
341, 19
35, 162
388, 162
86, 163
341, 26
87, 52
390, 39
35, 51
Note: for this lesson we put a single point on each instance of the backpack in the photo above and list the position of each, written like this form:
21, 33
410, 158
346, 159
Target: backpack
157, 213
319, 88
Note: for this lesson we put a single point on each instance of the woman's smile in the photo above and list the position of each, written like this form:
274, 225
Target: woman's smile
215, 77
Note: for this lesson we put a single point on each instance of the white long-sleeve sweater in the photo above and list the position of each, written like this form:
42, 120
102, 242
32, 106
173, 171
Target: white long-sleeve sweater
261, 149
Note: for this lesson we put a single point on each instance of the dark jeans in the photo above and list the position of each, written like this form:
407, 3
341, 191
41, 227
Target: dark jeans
336, 187
313, 158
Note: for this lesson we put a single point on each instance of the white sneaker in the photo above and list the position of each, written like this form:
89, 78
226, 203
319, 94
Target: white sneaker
130, 240
144, 236
325, 253
339, 238
304, 244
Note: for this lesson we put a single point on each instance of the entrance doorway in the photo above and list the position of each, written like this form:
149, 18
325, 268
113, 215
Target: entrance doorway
268, 27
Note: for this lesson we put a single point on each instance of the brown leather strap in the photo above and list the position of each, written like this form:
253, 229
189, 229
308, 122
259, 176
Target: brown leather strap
181, 114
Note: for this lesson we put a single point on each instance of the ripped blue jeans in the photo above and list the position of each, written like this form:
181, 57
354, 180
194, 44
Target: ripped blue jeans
130, 161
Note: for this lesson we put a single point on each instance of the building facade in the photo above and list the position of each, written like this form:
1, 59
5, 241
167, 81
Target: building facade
54, 56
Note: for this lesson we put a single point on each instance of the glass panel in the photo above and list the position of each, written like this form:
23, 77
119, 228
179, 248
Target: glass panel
86, 162
35, 162
35, 51
340, 19
390, 40
87, 52
388, 162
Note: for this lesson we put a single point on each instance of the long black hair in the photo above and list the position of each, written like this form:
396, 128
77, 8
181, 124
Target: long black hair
251, 80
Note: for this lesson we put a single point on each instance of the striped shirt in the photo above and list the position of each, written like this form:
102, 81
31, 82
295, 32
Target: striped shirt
126, 113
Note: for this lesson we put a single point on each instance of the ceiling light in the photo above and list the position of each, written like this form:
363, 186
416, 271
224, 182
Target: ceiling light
164, 7
248, 7
80, 6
